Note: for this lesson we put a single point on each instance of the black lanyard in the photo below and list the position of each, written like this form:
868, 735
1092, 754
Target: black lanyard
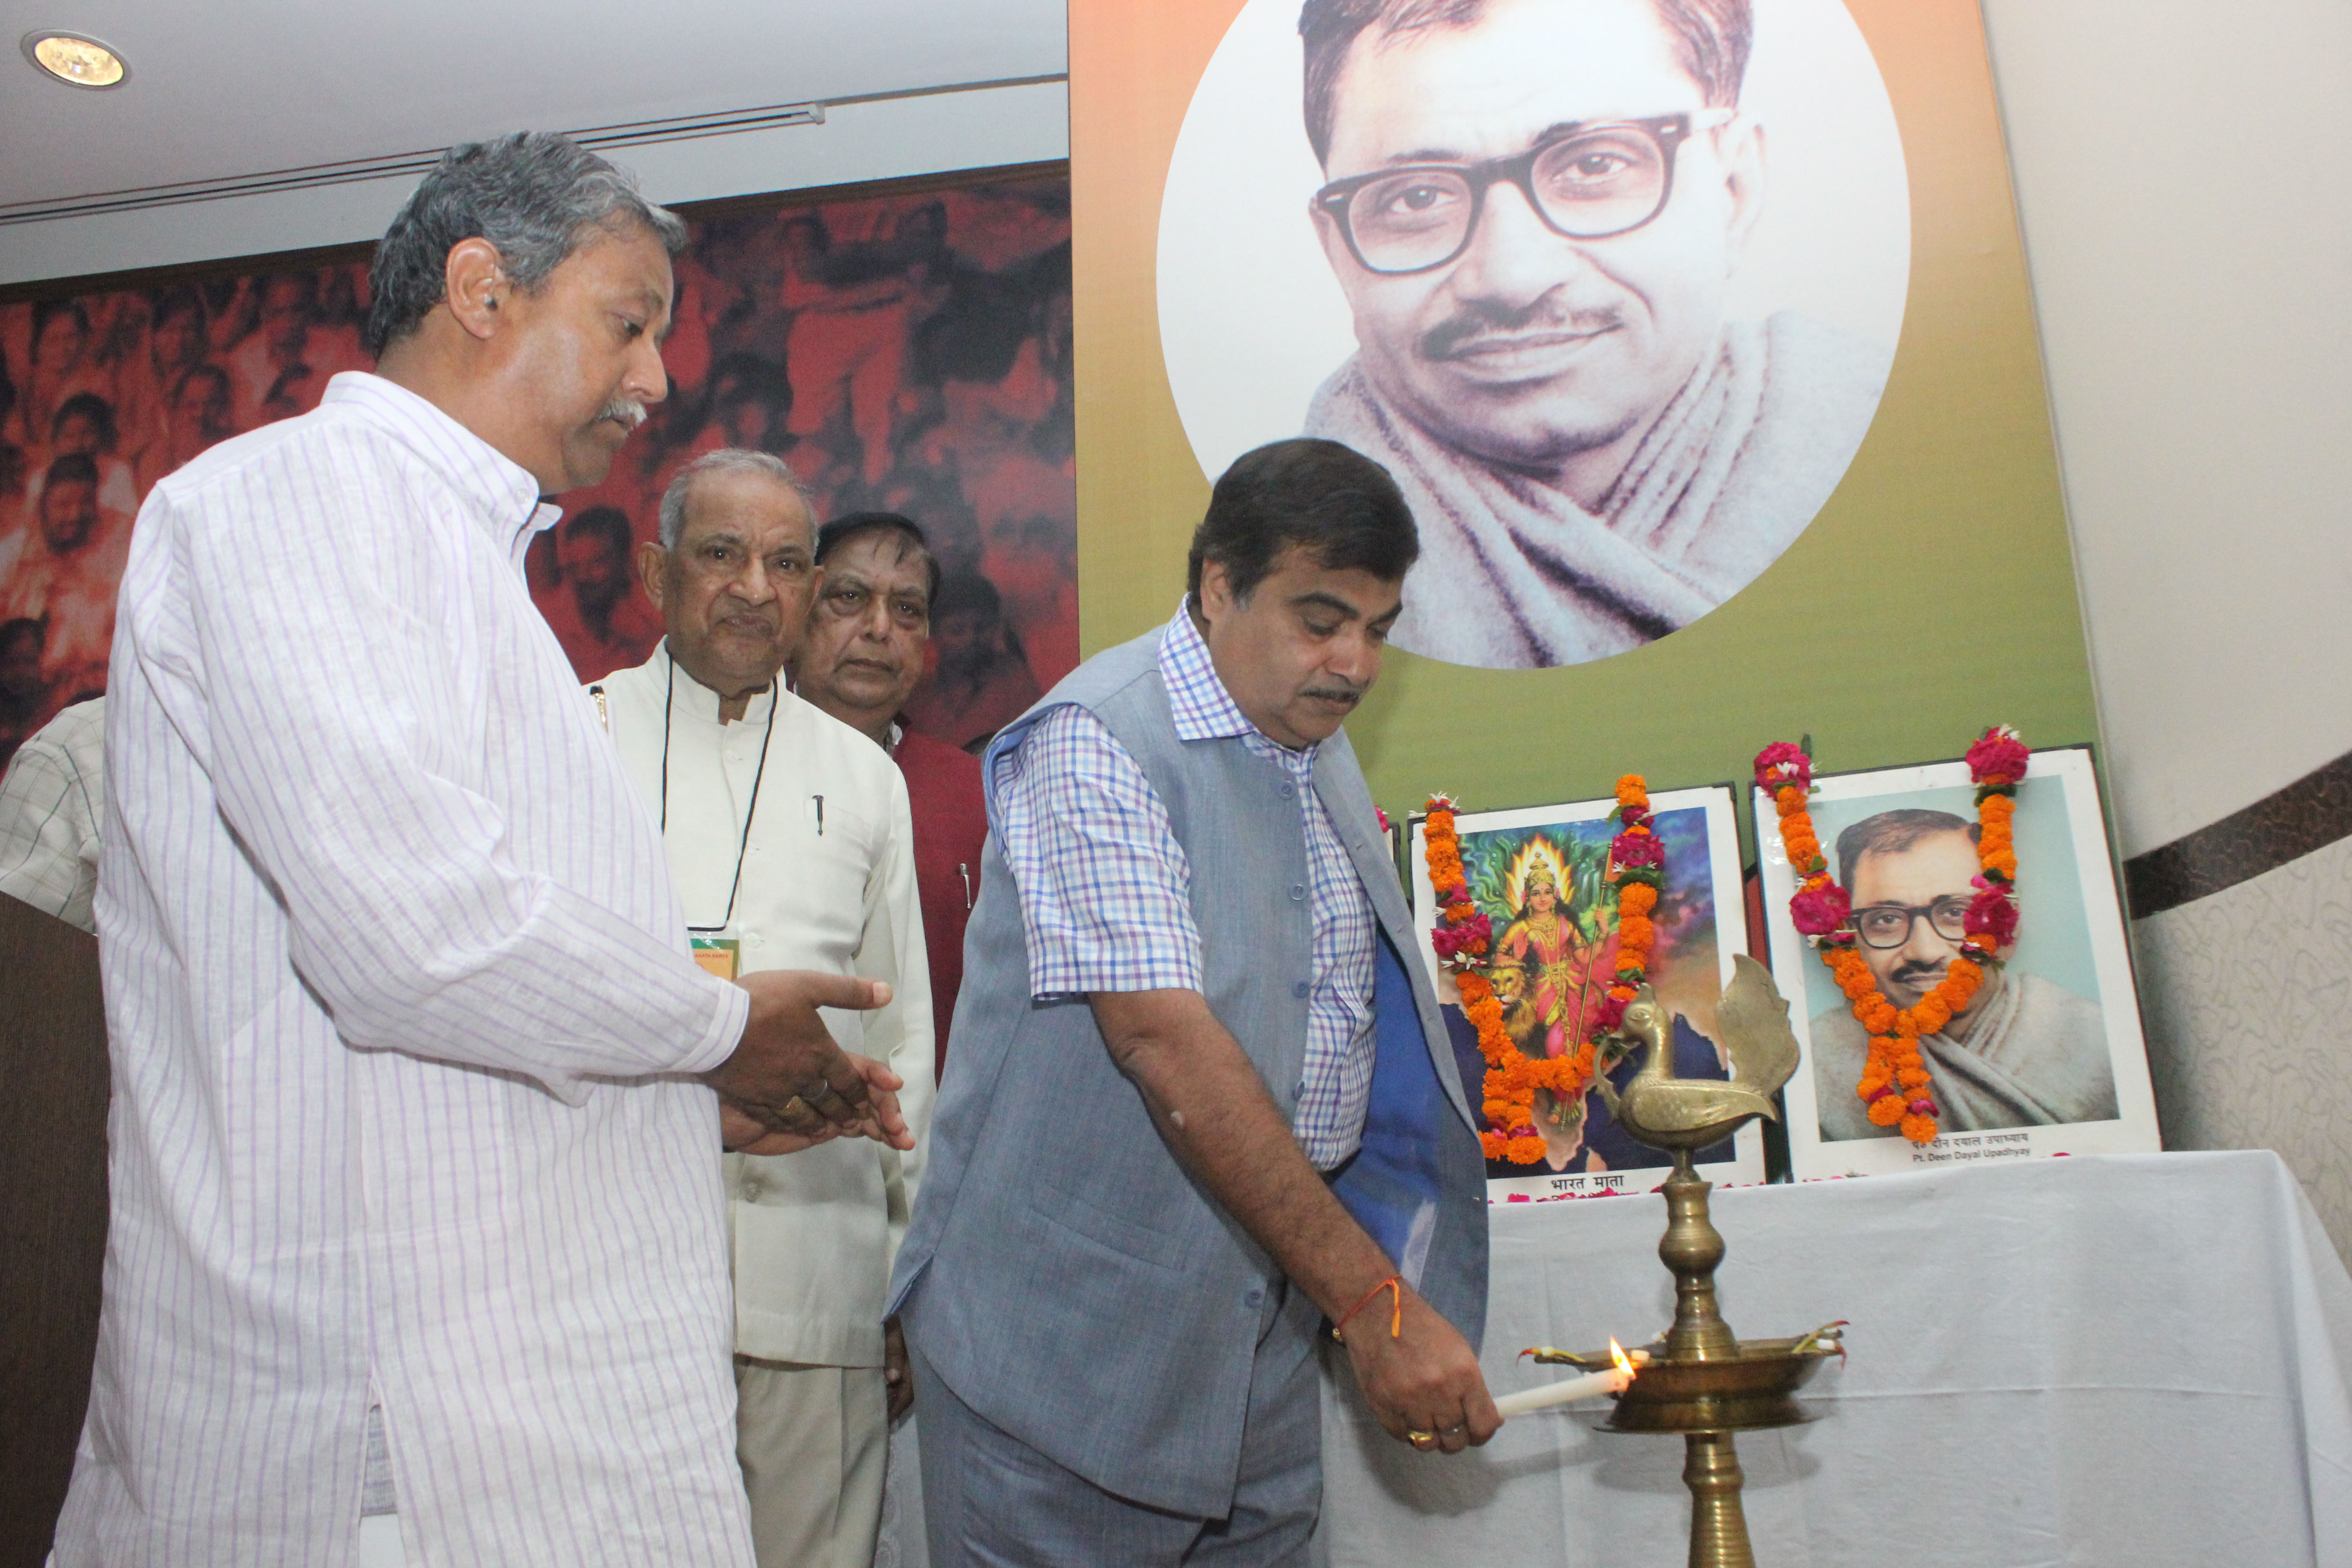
669, 702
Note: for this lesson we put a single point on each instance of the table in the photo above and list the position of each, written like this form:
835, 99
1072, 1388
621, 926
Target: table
2127, 1360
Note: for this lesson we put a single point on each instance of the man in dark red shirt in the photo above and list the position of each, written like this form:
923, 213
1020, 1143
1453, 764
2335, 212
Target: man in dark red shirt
869, 634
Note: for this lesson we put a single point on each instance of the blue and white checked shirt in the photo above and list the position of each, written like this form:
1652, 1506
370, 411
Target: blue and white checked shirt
1105, 889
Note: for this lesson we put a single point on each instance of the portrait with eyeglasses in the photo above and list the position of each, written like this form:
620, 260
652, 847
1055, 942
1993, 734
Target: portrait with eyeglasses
1538, 214
2032, 1049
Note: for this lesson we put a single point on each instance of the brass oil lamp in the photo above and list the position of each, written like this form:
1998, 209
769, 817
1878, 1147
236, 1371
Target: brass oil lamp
1703, 1381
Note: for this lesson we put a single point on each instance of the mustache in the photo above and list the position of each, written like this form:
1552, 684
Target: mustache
625, 412
1921, 976
1483, 319
1349, 694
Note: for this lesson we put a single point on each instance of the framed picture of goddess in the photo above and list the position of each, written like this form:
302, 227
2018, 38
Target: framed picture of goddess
1539, 875
2045, 1055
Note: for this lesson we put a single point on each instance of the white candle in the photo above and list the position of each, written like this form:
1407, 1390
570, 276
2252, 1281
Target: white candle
1612, 1381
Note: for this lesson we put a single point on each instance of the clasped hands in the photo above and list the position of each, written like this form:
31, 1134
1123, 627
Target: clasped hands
789, 1085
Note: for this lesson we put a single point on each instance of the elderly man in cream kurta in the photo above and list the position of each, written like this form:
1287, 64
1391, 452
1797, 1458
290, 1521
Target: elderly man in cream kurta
792, 846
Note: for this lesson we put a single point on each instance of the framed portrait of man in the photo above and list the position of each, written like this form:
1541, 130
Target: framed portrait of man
1611, 287
2047, 1057
1540, 877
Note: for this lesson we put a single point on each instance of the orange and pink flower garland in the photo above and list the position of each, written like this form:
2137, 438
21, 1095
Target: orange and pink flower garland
1464, 936
1896, 1082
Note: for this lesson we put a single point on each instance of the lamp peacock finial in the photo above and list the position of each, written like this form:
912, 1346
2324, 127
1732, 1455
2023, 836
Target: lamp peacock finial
1667, 1111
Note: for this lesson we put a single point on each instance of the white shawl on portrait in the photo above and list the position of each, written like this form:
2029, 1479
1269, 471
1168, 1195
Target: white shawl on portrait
1513, 573
2035, 1056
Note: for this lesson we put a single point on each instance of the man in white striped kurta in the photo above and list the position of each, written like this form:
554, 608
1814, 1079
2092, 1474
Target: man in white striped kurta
396, 985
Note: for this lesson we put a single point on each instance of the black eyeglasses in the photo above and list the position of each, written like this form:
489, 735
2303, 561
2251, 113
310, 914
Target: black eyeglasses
1883, 926
1589, 181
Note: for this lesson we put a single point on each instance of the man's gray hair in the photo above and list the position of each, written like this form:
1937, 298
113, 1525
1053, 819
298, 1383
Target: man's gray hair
535, 195
728, 461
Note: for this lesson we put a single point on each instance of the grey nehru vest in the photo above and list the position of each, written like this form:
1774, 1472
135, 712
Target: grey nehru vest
1070, 1282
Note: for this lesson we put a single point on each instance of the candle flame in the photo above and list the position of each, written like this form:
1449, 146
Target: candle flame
1617, 1353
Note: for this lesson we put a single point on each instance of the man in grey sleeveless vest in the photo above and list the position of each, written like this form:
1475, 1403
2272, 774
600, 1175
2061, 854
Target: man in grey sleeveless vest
1200, 1102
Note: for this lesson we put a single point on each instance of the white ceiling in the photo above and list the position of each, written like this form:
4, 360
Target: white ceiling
225, 89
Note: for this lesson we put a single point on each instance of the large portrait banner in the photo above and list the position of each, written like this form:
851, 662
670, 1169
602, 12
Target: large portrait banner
1695, 332
1616, 327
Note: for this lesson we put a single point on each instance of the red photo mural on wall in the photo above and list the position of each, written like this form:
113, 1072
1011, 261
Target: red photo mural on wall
906, 352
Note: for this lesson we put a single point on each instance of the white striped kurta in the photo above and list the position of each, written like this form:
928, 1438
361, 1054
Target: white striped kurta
399, 1011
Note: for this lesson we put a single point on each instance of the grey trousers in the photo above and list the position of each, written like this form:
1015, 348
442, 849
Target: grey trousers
990, 1500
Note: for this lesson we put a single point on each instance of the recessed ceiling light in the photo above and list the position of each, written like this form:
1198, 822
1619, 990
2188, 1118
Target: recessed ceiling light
76, 61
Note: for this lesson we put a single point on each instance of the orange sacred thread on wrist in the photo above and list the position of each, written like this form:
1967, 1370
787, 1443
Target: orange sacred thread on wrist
1394, 1286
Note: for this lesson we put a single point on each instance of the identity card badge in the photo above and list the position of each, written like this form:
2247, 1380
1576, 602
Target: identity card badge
722, 955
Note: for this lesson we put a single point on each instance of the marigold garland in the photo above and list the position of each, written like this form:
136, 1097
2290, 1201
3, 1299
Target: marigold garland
1463, 937
1896, 1082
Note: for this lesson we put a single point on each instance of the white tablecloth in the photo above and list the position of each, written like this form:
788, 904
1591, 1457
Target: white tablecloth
2126, 1359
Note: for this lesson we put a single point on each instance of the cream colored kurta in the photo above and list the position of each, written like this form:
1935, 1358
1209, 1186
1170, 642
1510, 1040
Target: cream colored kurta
814, 1233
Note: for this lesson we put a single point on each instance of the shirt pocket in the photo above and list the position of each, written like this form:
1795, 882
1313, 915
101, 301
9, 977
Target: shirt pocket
1065, 1210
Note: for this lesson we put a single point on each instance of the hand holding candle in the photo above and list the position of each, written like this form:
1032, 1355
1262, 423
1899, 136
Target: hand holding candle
1613, 1381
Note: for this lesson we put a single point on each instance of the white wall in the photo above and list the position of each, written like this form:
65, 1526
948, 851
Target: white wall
2242, 994
887, 140
2188, 216
2186, 205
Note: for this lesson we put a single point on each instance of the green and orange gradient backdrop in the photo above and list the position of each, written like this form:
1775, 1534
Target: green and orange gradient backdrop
1933, 594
